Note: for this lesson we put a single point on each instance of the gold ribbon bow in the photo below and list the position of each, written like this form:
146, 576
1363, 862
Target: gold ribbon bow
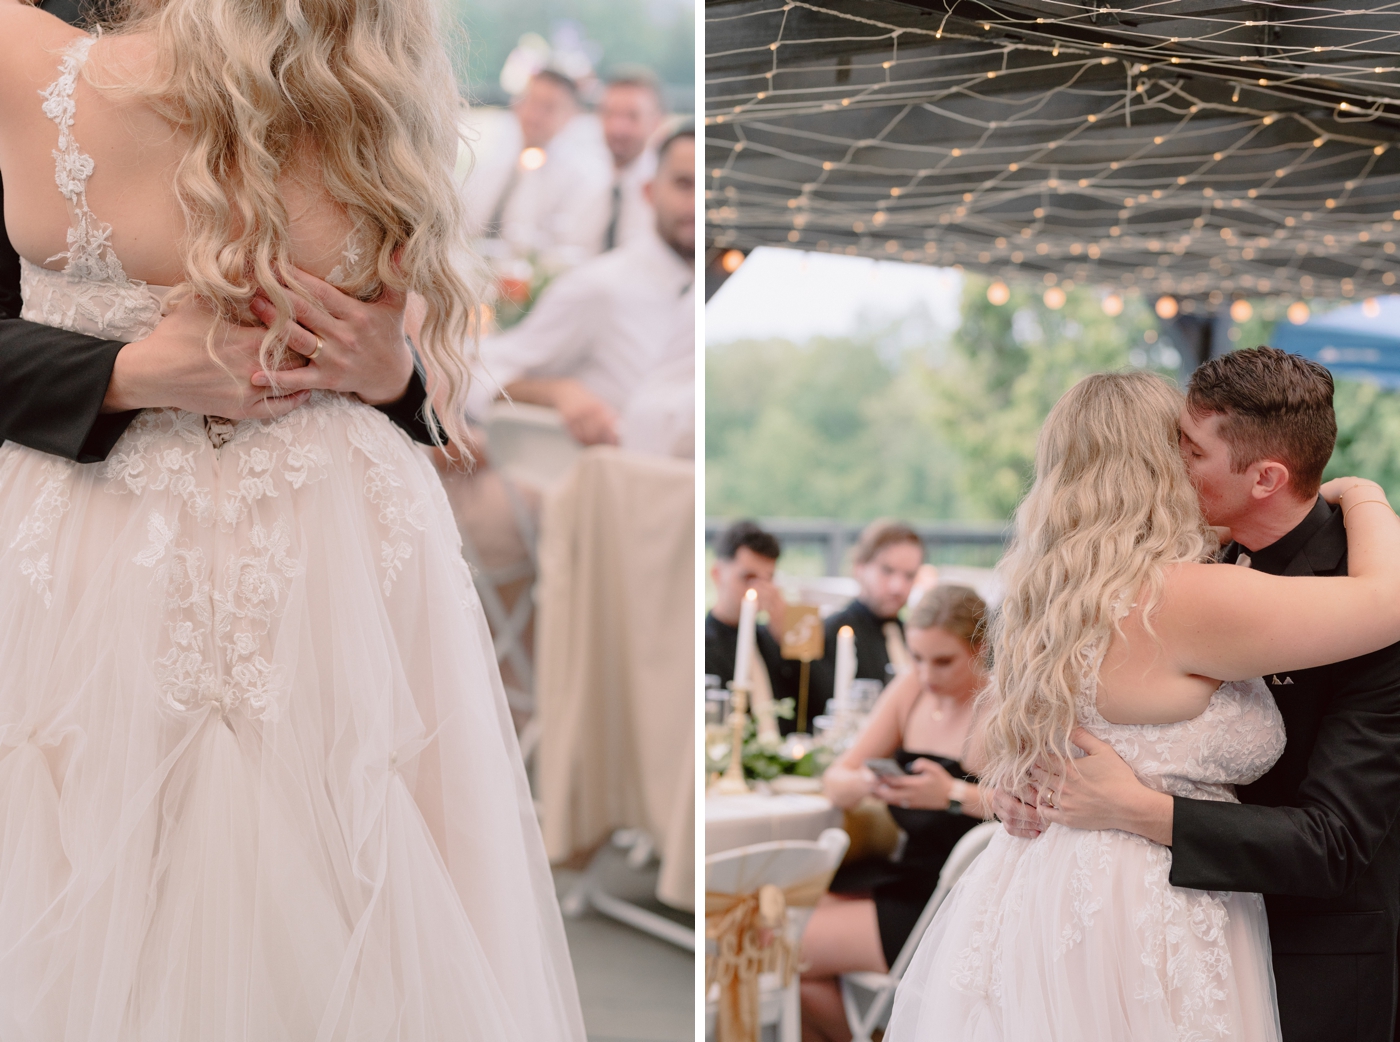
750, 937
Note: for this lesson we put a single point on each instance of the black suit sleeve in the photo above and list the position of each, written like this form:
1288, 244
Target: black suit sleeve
52, 383
1345, 806
407, 412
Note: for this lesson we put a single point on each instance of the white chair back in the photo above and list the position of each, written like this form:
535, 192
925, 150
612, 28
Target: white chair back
782, 863
529, 443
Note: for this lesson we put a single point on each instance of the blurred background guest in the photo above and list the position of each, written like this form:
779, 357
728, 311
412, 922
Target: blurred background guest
922, 722
659, 418
599, 332
631, 112
541, 176
746, 558
885, 563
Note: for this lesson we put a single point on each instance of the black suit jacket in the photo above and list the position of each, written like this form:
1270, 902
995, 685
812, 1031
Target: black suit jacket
52, 382
872, 654
1316, 834
721, 646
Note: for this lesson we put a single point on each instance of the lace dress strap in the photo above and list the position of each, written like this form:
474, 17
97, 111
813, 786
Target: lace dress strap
89, 254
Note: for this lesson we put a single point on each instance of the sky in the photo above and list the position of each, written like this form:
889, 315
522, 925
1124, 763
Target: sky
797, 295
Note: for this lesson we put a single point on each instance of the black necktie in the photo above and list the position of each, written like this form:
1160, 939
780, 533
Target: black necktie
496, 225
610, 240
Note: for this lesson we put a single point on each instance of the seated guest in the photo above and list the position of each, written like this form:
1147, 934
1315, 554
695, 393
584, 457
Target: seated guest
659, 419
541, 178
631, 113
745, 558
886, 561
599, 331
922, 721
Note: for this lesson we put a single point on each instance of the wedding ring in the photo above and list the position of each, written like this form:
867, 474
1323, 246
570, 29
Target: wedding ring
319, 344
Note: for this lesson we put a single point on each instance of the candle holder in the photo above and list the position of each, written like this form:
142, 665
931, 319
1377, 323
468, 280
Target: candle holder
732, 783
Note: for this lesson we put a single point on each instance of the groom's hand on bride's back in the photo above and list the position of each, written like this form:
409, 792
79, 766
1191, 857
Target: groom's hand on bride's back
173, 368
362, 348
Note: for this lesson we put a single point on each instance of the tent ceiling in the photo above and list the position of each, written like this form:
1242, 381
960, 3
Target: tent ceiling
1181, 147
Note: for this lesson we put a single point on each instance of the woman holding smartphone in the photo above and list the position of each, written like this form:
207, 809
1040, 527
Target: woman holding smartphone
909, 756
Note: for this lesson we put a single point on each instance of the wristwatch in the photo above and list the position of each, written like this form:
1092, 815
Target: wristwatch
957, 796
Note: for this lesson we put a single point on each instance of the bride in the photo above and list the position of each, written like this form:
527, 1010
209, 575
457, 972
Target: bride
257, 775
1113, 622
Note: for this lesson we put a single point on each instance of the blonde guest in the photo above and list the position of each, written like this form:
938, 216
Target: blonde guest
922, 722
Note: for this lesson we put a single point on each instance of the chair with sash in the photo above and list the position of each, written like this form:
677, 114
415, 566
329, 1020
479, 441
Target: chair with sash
757, 903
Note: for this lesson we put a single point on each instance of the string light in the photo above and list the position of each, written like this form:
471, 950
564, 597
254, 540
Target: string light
1284, 152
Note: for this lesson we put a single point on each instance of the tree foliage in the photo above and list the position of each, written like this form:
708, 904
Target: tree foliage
847, 428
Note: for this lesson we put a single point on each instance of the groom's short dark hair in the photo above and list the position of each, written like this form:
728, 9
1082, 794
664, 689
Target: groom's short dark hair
1276, 406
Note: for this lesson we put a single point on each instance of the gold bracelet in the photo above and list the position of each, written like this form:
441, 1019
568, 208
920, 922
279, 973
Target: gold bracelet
1347, 510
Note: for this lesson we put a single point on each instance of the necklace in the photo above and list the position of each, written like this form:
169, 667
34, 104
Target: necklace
936, 710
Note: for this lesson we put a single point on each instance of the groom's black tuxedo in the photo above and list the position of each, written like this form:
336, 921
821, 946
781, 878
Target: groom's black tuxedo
1316, 834
52, 382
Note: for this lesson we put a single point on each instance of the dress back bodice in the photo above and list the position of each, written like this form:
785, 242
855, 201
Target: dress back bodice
1238, 737
91, 294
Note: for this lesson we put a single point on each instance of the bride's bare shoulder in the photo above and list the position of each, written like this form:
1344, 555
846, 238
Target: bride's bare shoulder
31, 41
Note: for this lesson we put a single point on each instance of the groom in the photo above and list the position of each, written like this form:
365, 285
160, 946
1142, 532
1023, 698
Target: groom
1316, 834
73, 395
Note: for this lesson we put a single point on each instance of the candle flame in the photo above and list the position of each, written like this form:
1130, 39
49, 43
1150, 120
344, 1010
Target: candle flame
752, 595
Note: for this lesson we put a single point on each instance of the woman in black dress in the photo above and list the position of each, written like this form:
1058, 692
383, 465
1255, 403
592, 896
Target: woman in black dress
921, 721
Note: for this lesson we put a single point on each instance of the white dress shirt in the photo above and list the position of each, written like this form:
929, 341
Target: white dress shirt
659, 418
550, 212
609, 323
635, 216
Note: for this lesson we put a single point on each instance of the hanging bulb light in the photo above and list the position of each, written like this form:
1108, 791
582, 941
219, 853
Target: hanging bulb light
1112, 305
998, 293
1241, 311
1166, 307
1054, 298
1298, 312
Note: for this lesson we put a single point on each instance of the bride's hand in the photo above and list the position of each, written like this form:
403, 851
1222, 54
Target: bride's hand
1333, 490
363, 348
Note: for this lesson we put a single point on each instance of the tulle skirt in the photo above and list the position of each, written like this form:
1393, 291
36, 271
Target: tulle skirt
1077, 936
258, 780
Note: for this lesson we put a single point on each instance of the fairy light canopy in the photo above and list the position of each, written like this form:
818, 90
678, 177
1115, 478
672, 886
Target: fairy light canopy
1191, 148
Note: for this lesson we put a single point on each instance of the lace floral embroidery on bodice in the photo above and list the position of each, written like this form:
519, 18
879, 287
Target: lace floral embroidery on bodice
92, 293
1234, 741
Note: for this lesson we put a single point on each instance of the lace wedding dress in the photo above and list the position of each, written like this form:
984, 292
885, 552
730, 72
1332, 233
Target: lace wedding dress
1077, 936
258, 779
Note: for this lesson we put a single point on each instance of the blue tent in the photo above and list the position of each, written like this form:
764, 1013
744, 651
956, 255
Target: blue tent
1352, 344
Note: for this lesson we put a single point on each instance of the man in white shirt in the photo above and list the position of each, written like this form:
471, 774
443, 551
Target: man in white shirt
631, 113
541, 178
598, 332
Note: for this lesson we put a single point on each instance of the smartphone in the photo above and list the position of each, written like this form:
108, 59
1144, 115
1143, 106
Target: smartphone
886, 768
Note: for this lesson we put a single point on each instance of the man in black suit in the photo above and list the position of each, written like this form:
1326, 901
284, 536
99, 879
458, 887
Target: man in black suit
746, 557
1316, 834
885, 562
73, 395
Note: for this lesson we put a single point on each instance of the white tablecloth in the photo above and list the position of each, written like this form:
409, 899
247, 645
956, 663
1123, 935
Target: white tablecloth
738, 821
615, 660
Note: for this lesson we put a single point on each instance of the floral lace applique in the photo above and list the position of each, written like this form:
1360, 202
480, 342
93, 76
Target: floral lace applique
92, 293
219, 650
382, 486
36, 530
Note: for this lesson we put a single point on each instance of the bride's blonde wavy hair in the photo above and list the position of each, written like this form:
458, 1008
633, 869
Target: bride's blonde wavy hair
1110, 508
359, 92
